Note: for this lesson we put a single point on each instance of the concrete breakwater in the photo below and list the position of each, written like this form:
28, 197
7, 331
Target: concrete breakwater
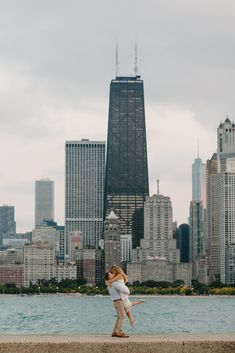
153, 343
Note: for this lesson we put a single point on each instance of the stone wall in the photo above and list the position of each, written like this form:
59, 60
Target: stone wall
160, 343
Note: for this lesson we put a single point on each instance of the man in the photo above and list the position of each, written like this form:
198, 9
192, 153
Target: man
114, 292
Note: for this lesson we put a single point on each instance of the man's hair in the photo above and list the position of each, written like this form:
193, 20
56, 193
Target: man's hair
106, 277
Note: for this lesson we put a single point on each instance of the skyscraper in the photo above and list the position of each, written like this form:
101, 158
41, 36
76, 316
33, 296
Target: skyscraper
184, 242
158, 229
157, 258
212, 242
225, 143
84, 190
7, 222
196, 234
126, 180
197, 214
220, 209
112, 241
199, 181
226, 203
44, 200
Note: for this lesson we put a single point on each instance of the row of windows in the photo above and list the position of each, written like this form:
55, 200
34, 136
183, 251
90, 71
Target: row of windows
85, 145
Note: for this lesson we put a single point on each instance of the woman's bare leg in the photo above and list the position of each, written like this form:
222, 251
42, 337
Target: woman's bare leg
130, 317
136, 302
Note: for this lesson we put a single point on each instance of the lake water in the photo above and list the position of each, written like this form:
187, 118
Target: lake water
74, 314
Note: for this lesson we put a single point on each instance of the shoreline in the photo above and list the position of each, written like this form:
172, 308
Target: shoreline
82, 295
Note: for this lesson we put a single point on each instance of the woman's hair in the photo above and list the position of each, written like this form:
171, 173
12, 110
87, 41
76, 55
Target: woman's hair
106, 277
117, 270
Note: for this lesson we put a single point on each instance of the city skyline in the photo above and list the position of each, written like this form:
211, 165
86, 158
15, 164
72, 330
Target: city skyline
50, 94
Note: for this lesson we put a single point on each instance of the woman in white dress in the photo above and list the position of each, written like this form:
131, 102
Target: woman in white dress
117, 274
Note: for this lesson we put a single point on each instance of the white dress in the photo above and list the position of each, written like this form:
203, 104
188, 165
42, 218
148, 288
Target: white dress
125, 298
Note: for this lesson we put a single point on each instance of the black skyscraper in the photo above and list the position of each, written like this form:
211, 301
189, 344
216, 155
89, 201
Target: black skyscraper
126, 183
184, 242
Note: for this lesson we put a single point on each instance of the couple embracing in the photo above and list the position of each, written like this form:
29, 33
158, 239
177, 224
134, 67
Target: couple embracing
116, 281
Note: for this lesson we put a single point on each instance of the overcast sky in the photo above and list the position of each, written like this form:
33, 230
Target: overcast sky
57, 59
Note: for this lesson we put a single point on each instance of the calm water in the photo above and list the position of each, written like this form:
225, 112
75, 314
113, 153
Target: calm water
71, 314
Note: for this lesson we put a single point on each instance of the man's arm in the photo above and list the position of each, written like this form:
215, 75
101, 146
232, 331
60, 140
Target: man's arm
121, 288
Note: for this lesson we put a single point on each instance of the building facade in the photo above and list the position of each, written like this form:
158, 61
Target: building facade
158, 229
60, 239
44, 200
90, 264
220, 215
196, 234
197, 212
11, 256
184, 231
45, 234
13, 274
112, 241
212, 241
199, 181
126, 179
39, 263
7, 222
126, 247
158, 258
75, 243
226, 197
84, 190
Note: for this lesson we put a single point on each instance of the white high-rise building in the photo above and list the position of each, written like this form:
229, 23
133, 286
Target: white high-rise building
39, 263
158, 229
157, 258
226, 197
44, 200
199, 181
220, 206
112, 241
225, 143
84, 190
226, 137
197, 215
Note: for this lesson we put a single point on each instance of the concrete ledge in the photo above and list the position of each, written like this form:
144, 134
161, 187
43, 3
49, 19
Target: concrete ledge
159, 343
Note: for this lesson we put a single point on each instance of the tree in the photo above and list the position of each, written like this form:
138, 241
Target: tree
178, 283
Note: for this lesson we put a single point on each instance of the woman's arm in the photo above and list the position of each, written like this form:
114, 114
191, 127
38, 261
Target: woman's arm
121, 287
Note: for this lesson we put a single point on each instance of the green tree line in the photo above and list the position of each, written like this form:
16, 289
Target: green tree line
144, 288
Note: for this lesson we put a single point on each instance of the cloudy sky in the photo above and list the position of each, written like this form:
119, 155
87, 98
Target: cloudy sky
57, 59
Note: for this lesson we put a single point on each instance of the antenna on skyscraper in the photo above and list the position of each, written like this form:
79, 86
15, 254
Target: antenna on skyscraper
197, 147
157, 186
136, 60
117, 62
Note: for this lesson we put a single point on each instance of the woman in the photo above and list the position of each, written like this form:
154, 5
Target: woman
115, 293
120, 277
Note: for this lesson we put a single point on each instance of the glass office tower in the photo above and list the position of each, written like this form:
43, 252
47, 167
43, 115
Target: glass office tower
44, 201
84, 190
126, 180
